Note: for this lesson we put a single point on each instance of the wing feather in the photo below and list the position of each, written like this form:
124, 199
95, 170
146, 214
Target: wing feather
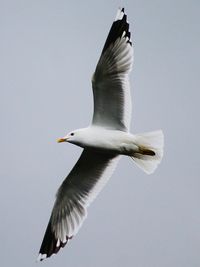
110, 82
84, 182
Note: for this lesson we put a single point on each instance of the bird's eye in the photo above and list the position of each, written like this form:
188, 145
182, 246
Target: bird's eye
72, 134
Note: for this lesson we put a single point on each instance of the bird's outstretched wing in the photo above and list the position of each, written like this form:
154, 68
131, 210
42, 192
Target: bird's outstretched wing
81, 186
110, 82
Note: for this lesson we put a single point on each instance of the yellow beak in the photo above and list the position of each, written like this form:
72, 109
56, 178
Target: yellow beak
60, 140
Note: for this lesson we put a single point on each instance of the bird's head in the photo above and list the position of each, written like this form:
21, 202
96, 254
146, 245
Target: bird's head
74, 137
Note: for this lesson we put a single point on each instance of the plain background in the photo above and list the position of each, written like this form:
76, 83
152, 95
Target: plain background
48, 52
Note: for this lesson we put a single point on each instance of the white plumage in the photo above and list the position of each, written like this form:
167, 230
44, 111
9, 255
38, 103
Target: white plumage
104, 141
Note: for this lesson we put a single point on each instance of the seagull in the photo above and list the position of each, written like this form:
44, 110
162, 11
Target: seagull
103, 142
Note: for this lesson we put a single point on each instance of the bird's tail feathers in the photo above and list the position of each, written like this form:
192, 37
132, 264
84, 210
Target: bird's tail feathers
150, 151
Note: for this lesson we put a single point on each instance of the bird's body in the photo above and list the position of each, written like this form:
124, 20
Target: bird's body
103, 142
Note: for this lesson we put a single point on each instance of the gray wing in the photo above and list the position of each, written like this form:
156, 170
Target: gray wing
84, 182
110, 82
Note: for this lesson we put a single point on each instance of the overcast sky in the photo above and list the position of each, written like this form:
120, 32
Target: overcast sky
48, 52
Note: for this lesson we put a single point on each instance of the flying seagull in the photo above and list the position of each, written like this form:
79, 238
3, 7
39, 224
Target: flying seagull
103, 142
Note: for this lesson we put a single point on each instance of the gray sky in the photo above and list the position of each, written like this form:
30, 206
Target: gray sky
48, 52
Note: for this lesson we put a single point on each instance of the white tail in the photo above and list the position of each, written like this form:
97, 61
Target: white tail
150, 150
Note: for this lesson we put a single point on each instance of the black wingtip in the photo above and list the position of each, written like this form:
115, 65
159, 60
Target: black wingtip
119, 26
50, 244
